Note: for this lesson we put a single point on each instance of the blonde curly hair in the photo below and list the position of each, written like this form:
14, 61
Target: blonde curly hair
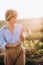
10, 14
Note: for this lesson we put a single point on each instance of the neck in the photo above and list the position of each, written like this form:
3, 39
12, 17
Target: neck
11, 25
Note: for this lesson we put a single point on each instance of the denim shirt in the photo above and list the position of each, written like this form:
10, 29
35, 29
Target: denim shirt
7, 36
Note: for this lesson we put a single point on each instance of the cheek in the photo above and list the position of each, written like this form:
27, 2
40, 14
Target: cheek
13, 22
13, 19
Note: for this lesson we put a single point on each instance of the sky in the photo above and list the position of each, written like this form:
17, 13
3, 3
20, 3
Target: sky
25, 8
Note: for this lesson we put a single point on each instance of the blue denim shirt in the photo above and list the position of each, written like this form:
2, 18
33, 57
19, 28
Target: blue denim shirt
7, 37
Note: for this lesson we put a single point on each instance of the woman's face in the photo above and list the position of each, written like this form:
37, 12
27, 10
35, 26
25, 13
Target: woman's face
13, 20
11, 16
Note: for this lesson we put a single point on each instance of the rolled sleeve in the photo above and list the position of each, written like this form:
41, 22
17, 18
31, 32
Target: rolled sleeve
2, 44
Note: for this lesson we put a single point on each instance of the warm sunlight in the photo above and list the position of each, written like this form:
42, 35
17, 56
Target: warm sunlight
25, 8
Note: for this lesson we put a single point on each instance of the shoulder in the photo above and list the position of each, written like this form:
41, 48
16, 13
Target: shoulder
19, 26
2, 29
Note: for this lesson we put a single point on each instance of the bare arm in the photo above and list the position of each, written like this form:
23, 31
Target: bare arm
12, 45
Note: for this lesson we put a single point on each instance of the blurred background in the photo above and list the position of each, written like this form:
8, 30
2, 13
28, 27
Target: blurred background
30, 15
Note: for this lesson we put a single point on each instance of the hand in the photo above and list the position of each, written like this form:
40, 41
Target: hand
9, 45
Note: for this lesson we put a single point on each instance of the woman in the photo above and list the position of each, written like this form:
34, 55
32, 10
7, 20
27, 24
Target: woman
11, 37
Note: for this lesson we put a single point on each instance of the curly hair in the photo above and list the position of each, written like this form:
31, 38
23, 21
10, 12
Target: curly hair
10, 14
